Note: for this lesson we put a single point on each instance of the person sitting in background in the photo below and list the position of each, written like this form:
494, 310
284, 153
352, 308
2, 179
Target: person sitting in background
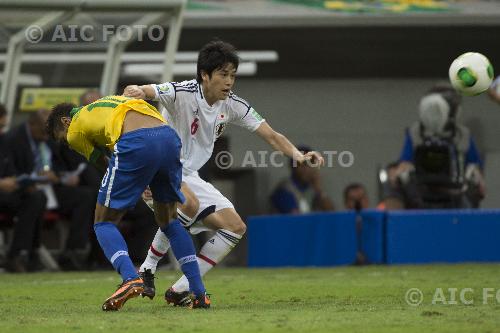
440, 166
390, 192
302, 192
3, 120
24, 202
34, 154
355, 197
90, 96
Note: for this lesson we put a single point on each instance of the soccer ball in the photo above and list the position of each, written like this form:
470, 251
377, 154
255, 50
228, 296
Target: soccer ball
471, 73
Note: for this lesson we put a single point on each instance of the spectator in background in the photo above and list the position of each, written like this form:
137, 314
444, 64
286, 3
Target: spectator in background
22, 201
440, 166
390, 190
355, 197
302, 192
3, 120
33, 154
89, 96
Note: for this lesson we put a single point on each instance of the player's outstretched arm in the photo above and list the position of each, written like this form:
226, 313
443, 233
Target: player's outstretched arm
280, 142
141, 92
494, 90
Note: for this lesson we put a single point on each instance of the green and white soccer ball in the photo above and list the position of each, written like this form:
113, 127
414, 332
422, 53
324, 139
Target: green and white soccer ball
471, 73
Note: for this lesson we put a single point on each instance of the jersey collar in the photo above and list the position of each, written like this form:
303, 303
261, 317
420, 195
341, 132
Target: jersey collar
200, 90
74, 111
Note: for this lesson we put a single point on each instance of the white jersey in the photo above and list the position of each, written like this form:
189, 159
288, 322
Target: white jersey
197, 123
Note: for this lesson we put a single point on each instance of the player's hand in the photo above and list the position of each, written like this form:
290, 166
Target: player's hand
134, 91
314, 159
494, 90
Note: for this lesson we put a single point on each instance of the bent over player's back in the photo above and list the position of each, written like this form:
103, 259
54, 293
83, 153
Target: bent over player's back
100, 123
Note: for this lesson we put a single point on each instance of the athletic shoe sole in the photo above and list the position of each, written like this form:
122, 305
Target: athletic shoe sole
118, 299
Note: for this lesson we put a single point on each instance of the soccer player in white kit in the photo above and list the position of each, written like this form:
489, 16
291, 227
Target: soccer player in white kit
199, 110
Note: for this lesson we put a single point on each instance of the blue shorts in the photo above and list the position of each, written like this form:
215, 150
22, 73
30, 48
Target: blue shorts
147, 156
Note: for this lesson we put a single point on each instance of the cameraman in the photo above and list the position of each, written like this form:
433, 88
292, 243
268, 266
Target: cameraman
439, 166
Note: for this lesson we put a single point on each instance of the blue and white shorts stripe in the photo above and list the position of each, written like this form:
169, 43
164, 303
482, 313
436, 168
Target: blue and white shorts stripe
147, 156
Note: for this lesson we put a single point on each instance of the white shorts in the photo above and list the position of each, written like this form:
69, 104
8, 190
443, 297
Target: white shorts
208, 196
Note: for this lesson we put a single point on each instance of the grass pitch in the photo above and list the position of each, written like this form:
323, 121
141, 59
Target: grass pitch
347, 299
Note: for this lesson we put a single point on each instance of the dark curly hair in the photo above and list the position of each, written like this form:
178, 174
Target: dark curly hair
215, 55
54, 121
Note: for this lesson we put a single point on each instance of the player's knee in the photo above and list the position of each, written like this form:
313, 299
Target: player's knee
165, 213
190, 206
105, 214
171, 212
237, 226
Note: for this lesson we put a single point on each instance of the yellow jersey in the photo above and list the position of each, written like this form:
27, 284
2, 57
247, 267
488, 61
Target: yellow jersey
99, 124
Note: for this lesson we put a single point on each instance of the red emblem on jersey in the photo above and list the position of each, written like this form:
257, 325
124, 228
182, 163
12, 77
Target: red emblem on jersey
194, 126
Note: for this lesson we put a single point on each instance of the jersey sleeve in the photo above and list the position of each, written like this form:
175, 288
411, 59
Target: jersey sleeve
82, 145
165, 93
242, 114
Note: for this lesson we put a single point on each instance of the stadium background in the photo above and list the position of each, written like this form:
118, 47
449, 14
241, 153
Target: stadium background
349, 77
344, 82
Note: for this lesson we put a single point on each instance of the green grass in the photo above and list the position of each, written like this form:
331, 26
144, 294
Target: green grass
347, 299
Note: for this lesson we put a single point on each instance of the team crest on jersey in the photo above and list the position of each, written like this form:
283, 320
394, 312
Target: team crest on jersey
163, 88
219, 129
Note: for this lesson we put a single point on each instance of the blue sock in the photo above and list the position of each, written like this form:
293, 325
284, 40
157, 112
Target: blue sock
183, 248
115, 249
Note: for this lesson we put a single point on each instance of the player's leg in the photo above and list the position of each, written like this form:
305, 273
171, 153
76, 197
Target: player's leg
166, 190
115, 249
218, 214
131, 168
160, 244
229, 230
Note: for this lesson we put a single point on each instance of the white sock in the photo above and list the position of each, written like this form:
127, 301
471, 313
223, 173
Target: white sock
214, 250
160, 246
156, 251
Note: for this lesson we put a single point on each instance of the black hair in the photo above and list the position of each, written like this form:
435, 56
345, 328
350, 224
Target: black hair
350, 187
215, 55
54, 120
3, 111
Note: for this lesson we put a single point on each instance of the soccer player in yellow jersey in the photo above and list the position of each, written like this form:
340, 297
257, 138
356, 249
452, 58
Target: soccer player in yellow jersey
145, 151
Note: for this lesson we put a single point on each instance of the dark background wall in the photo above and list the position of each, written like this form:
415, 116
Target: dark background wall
339, 88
